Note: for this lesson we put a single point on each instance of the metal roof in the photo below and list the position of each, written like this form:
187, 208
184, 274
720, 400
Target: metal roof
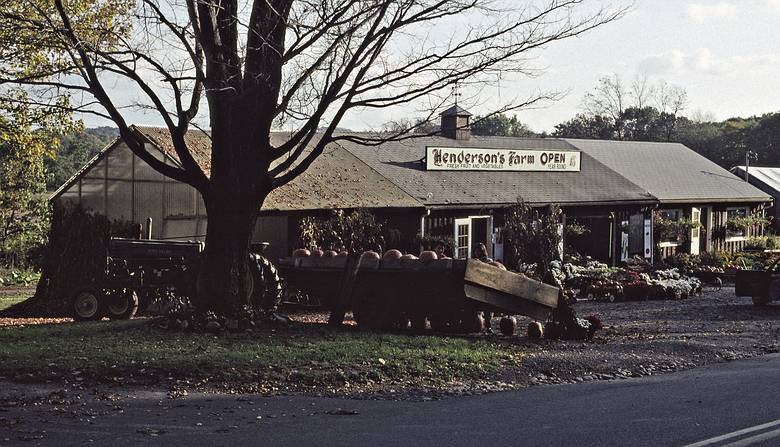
336, 180
671, 172
768, 176
403, 162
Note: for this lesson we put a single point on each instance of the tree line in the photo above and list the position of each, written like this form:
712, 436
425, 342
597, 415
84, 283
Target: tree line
644, 112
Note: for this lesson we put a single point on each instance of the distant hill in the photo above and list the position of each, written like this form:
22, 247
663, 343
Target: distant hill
75, 151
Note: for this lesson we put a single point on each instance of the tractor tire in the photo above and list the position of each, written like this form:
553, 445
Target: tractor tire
87, 304
761, 300
122, 305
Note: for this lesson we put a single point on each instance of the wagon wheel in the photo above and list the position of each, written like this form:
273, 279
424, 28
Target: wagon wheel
87, 304
121, 304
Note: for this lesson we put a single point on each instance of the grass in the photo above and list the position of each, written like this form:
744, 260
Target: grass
7, 301
305, 357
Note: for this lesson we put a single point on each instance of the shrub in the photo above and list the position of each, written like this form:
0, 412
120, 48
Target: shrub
668, 230
429, 242
714, 259
533, 237
356, 231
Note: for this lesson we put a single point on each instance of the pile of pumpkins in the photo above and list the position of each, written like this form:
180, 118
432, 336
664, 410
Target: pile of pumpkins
390, 255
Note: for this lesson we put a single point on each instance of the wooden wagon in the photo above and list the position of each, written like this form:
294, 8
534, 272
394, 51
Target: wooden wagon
393, 294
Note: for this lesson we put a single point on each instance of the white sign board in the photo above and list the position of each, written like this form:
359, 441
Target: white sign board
478, 159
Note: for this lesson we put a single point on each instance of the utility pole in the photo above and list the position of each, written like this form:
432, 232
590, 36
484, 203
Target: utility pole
748, 154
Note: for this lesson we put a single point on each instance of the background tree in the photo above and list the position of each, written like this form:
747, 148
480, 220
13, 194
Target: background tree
74, 151
609, 99
641, 111
591, 127
500, 125
261, 63
27, 138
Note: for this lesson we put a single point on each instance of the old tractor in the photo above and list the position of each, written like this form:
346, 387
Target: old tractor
137, 271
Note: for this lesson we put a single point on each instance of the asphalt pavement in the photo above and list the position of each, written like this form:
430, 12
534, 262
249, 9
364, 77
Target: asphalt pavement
727, 404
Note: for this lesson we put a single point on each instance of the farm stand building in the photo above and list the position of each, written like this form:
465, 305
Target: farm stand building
615, 189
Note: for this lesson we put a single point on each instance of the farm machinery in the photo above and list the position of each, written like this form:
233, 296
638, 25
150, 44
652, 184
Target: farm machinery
137, 271
387, 294
763, 286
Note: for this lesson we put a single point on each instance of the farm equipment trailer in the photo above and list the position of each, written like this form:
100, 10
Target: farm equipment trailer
393, 294
763, 286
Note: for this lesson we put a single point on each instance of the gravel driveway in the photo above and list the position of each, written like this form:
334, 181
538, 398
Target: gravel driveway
650, 337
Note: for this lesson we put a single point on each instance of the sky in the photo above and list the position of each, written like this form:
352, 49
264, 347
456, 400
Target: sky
724, 53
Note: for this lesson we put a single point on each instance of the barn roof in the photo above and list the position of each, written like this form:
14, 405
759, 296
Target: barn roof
393, 175
403, 161
671, 172
336, 180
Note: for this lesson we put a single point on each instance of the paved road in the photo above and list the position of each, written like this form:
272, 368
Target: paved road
688, 408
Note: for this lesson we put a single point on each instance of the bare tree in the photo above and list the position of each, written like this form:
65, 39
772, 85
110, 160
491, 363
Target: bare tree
609, 98
259, 63
670, 98
641, 91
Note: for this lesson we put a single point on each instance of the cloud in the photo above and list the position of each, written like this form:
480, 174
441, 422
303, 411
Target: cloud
703, 61
661, 63
701, 13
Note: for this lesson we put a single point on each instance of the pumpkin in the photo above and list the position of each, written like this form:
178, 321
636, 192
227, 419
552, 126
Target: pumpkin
409, 256
497, 264
391, 255
317, 253
370, 255
329, 254
301, 253
342, 254
428, 256
535, 330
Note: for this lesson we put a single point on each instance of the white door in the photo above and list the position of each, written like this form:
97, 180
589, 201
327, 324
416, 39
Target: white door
707, 213
696, 231
462, 238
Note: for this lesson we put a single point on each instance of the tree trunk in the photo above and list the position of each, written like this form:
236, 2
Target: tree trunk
225, 281
238, 185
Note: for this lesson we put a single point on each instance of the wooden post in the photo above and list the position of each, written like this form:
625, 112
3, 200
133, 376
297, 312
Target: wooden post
343, 299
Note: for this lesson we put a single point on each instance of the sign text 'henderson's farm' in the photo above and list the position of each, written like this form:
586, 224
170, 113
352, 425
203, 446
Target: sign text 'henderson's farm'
474, 159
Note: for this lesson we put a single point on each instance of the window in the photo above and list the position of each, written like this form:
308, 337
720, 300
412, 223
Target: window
734, 231
670, 214
462, 230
